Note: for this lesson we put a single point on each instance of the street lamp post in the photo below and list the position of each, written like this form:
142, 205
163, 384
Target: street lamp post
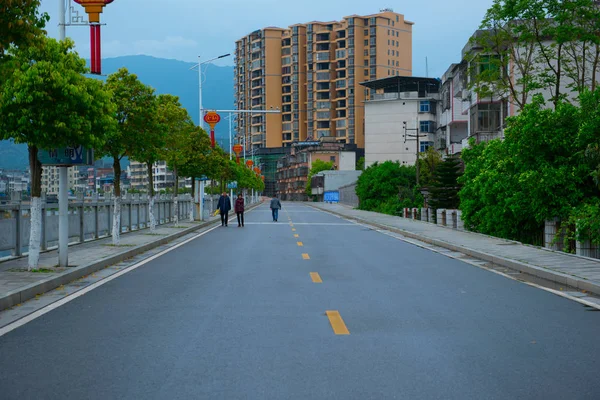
199, 66
200, 198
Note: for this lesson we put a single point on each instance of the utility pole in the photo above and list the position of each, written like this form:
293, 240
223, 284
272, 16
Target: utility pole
415, 136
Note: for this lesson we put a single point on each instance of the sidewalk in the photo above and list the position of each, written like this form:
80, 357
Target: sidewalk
570, 270
17, 285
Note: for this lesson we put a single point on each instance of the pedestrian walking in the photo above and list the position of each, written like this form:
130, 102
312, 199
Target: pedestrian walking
275, 207
239, 210
224, 206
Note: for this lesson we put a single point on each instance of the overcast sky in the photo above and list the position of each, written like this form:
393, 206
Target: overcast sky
185, 29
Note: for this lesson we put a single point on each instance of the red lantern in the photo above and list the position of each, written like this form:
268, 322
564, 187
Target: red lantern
249, 163
237, 149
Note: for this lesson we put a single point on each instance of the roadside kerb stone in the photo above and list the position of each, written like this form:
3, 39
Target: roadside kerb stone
540, 272
20, 295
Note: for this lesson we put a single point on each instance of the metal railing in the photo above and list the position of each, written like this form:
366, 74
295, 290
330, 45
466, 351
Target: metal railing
89, 219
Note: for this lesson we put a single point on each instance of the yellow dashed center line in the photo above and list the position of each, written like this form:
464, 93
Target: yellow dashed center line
337, 323
300, 244
305, 256
293, 229
316, 278
296, 235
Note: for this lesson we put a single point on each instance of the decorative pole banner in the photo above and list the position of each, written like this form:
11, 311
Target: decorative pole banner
237, 149
212, 118
93, 8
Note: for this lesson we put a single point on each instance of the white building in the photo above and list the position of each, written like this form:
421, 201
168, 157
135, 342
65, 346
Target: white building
402, 108
453, 119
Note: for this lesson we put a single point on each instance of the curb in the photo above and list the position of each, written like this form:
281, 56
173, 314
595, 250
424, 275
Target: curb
540, 272
25, 293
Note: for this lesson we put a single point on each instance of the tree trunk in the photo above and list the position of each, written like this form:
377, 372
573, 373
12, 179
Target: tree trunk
35, 230
151, 197
193, 205
558, 74
175, 199
116, 226
595, 67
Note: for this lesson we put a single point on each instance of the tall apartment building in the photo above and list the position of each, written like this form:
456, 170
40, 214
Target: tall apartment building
50, 179
312, 73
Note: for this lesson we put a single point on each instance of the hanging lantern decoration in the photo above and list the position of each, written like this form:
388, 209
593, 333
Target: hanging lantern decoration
93, 9
262, 177
257, 170
237, 149
249, 163
212, 118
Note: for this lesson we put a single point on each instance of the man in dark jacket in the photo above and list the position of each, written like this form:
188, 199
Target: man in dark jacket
275, 207
224, 206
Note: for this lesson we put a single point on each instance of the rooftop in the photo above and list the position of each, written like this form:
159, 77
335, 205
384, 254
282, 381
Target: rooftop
400, 84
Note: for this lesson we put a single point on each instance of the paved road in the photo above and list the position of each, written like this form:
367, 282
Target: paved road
235, 314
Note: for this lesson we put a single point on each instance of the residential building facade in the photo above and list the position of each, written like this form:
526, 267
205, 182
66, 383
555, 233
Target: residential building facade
312, 73
293, 169
399, 111
50, 179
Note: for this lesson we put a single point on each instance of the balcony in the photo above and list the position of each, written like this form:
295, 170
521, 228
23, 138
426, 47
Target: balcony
323, 37
322, 86
323, 76
323, 56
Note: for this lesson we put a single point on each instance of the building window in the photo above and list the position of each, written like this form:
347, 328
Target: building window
424, 146
424, 106
426, 126
487, 63
486, 117
366, 42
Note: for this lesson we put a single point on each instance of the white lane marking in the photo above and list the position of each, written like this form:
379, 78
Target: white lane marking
38, 313
299, 223
476, 263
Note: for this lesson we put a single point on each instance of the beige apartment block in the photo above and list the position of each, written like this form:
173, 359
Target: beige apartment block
50, 179
312, 73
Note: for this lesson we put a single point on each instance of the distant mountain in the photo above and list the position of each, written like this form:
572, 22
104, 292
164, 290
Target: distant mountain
13, 156
166, 76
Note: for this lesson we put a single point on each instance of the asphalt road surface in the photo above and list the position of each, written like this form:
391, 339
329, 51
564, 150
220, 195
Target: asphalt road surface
315, 308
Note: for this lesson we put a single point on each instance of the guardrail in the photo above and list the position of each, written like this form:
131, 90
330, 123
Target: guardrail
89, 219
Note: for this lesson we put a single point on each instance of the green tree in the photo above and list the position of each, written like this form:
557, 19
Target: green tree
316, 167
135, 115
528, 45
539, 172
175, 121
360, 164
20, 23
429, 160
445, 187
388, 187
46, 102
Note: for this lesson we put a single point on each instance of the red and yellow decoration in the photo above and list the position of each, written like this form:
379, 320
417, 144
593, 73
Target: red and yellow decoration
237, 149
93, 9
212, 118
249, 163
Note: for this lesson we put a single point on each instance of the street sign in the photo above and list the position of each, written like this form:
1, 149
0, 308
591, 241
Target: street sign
202, 178
66, 156
232, 185
331, 197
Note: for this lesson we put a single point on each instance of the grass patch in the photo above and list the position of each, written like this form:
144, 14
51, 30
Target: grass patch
35, 271
179, 227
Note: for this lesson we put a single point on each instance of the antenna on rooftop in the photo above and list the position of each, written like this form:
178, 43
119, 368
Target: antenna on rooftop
426, 68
